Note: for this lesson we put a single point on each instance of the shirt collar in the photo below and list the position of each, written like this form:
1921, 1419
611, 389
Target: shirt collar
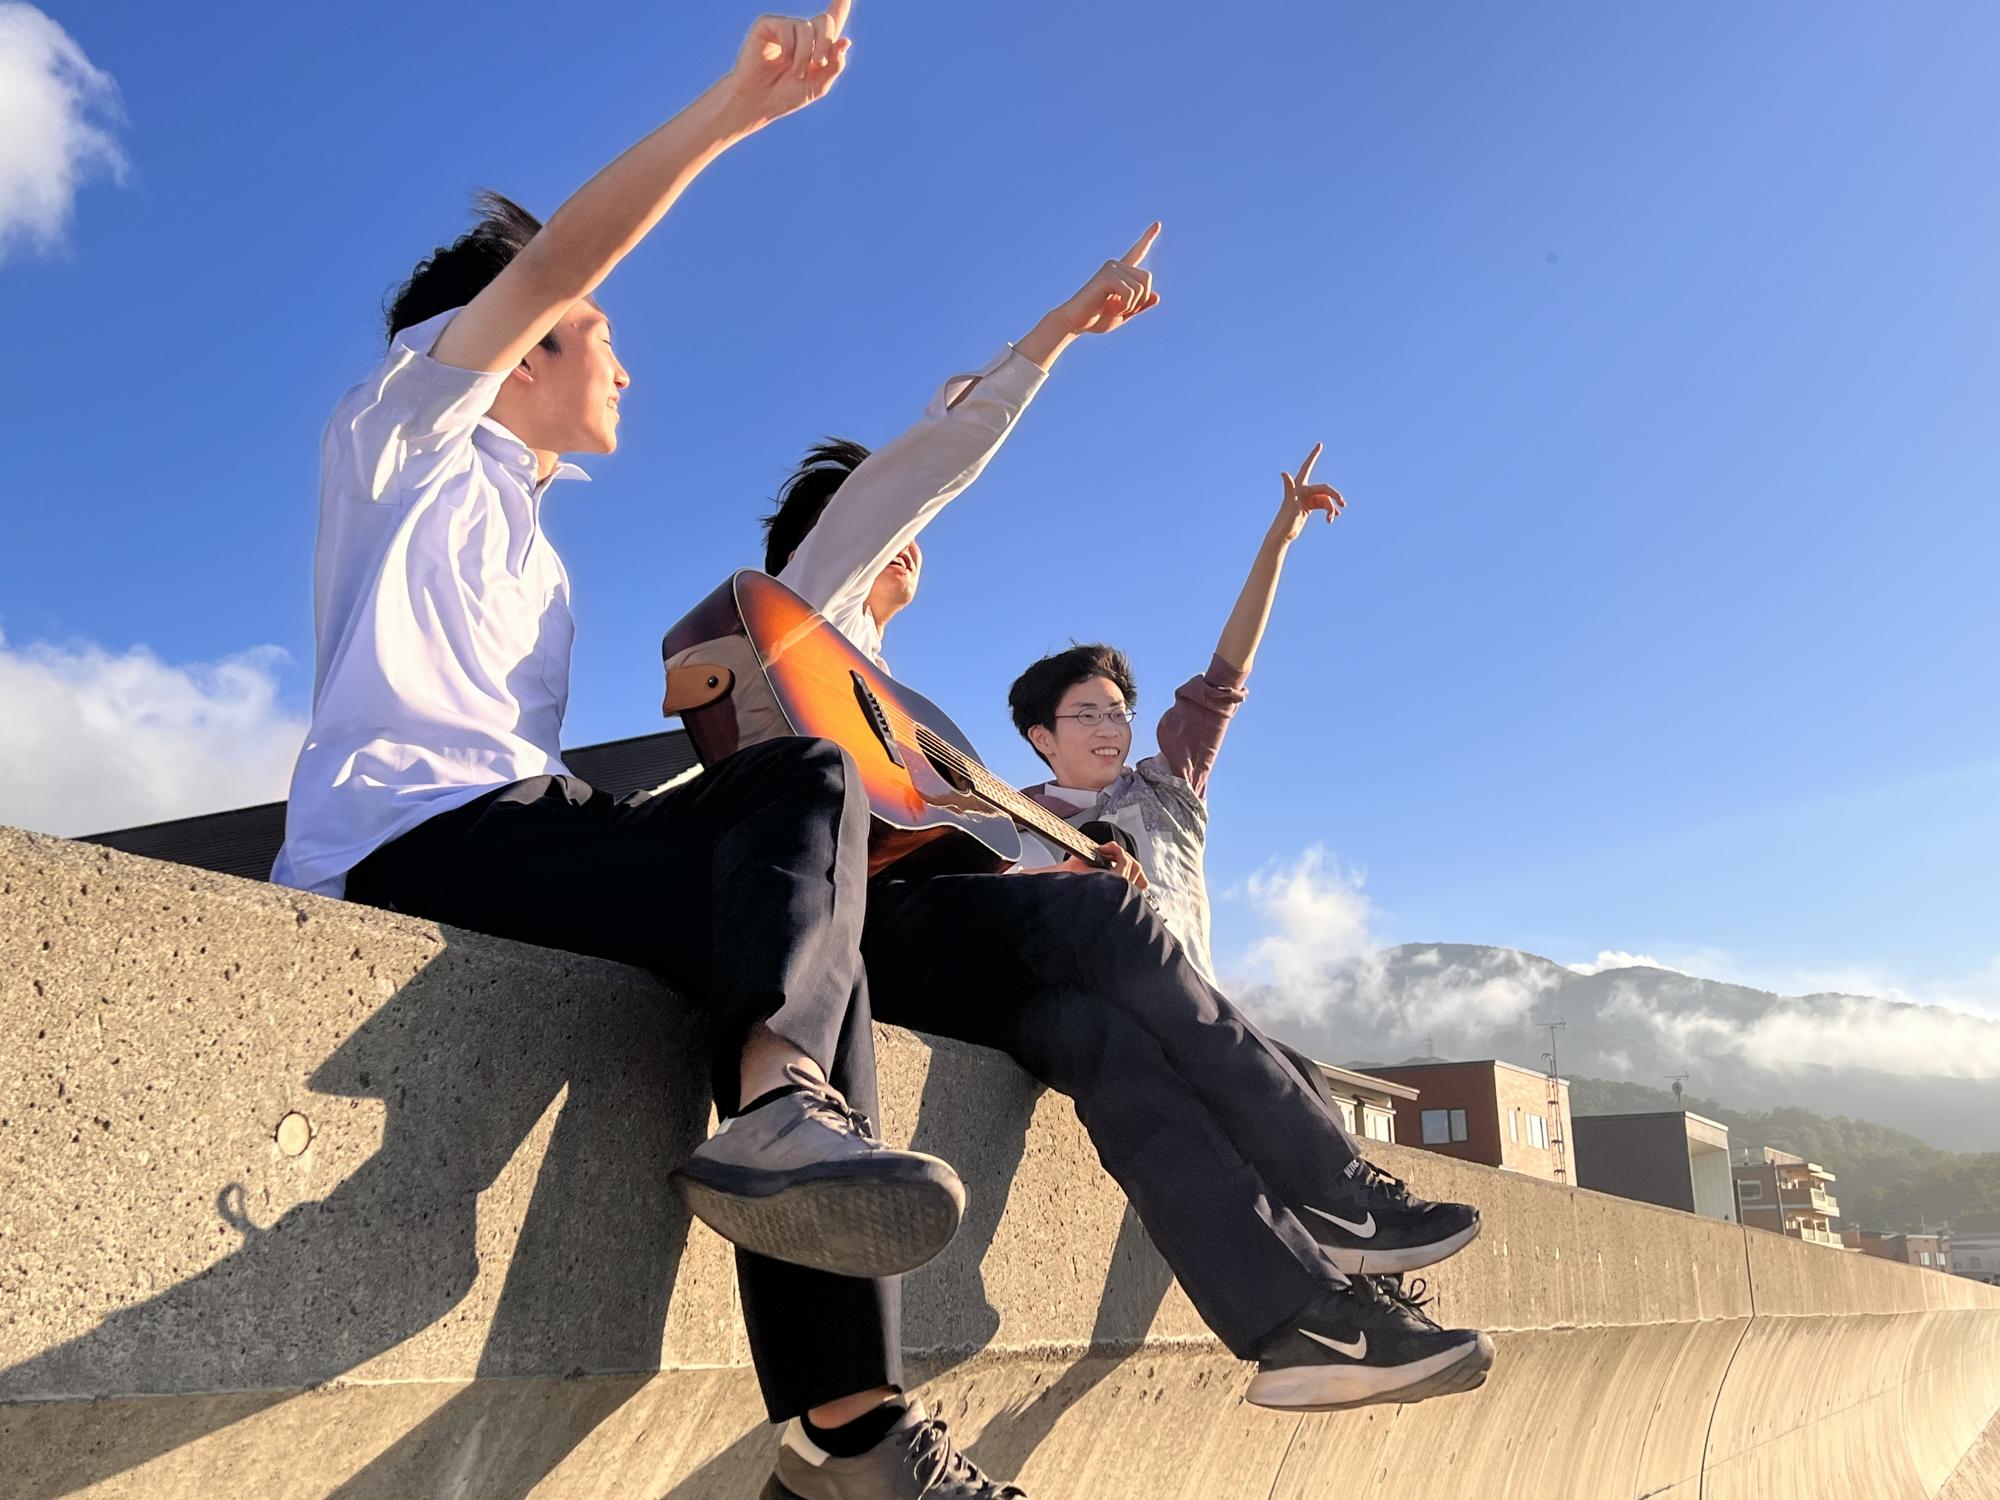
1070, 794
510, 450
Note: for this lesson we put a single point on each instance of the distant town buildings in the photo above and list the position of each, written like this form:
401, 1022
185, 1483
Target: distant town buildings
1491, 1111
1367, 1103
1787, 1195
1976, 1255
1932, 1251
1670, 1157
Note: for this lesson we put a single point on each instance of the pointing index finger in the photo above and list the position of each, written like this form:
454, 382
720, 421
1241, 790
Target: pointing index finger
1306, 468
836, 18
1140, 246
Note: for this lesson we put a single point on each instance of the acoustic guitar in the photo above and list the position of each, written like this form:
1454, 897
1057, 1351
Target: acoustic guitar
753, 661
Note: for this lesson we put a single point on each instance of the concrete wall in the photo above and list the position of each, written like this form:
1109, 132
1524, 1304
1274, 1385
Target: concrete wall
303, 1200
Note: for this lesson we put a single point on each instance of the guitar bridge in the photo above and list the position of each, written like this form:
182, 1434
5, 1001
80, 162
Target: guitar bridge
878, 721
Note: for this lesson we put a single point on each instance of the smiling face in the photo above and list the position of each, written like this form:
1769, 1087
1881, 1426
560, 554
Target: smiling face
1085, 756
565, 400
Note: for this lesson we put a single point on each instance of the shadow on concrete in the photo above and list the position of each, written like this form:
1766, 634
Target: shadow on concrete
1133, 1290
466, 1072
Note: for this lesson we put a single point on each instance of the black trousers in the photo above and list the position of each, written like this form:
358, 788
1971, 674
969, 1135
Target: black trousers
744, 891
1211, 1131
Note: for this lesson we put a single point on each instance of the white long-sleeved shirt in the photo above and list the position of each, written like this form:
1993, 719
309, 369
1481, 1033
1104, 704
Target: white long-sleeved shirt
901, 487
440, 614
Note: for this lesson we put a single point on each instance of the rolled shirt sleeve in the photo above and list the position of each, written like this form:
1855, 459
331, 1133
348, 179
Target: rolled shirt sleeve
898, 489
1192, 728
412, 417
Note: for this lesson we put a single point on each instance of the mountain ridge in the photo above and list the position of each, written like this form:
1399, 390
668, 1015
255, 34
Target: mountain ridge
1932, 1071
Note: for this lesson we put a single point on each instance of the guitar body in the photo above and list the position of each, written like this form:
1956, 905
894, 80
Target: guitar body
753, 661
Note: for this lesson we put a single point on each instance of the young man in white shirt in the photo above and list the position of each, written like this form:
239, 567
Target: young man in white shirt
1242, 1178
432, 781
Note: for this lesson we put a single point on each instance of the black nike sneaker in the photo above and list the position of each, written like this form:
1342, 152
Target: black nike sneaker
1371, 1224
1368, 1342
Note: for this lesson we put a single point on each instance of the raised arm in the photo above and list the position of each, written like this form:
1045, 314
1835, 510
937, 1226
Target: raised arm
783, 65
1245, 630
900, 487
1191, 730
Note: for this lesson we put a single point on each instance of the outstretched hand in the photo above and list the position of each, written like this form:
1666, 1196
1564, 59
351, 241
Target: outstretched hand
786, 63
1302, 498
1118, 293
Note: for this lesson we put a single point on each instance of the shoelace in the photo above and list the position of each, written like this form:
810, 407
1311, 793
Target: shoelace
1413, 1299
833, 1110
931, 1444
1374, 1179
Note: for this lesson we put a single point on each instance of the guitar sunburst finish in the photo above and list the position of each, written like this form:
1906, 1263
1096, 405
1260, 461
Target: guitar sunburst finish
754, 661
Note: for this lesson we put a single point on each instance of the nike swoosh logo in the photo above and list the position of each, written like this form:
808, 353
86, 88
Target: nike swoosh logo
1356, 1350
1364, 1229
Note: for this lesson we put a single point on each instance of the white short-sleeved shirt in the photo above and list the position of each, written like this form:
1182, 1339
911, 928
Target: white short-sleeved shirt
440, 612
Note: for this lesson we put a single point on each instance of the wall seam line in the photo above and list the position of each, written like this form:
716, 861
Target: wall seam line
1722, 1385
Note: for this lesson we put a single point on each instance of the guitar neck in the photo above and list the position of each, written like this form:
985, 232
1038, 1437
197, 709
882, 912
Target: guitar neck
1038, 820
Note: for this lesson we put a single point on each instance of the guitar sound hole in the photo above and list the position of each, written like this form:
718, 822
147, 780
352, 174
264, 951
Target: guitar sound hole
957, 781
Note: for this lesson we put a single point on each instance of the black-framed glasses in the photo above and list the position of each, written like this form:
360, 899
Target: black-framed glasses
1090, 718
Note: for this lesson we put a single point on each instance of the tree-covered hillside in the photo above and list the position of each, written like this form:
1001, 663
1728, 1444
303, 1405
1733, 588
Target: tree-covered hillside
1884, 1179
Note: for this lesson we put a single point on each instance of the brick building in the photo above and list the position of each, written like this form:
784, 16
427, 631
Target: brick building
1492, 1112
1787, 1195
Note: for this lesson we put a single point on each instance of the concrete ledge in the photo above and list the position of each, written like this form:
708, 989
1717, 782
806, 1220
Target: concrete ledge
459, 1272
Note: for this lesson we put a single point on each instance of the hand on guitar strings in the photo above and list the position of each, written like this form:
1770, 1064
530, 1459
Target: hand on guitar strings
1118, 860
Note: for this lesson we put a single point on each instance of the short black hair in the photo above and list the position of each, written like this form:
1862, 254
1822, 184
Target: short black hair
1038, 692
456, 273
803, 497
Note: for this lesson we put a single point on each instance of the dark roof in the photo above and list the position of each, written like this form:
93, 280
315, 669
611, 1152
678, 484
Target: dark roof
244, 840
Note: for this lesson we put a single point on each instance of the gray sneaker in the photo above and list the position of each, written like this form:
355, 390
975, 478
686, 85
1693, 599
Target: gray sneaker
803, 1179
915, 1461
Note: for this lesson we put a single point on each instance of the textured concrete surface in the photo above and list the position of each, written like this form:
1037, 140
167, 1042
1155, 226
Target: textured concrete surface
298, 1199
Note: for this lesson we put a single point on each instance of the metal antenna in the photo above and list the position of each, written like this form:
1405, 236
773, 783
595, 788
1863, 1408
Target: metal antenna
1559, 1157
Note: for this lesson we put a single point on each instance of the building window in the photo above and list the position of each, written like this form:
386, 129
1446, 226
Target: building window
1378, 1127
1538, 1132
1443, 1125
1973, 1263
1513, 1125
1923, 1257
1750, 1192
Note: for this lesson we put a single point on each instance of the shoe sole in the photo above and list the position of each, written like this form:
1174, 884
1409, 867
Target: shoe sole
1359, 1260
882, 1219
1342, 1387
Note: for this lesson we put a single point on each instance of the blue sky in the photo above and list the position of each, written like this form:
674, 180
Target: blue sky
1653, 347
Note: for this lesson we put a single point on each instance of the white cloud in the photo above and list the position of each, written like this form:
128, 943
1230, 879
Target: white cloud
1619, 959
1316, 915
93, 740
1793, 1034
57, 111
1322, 958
